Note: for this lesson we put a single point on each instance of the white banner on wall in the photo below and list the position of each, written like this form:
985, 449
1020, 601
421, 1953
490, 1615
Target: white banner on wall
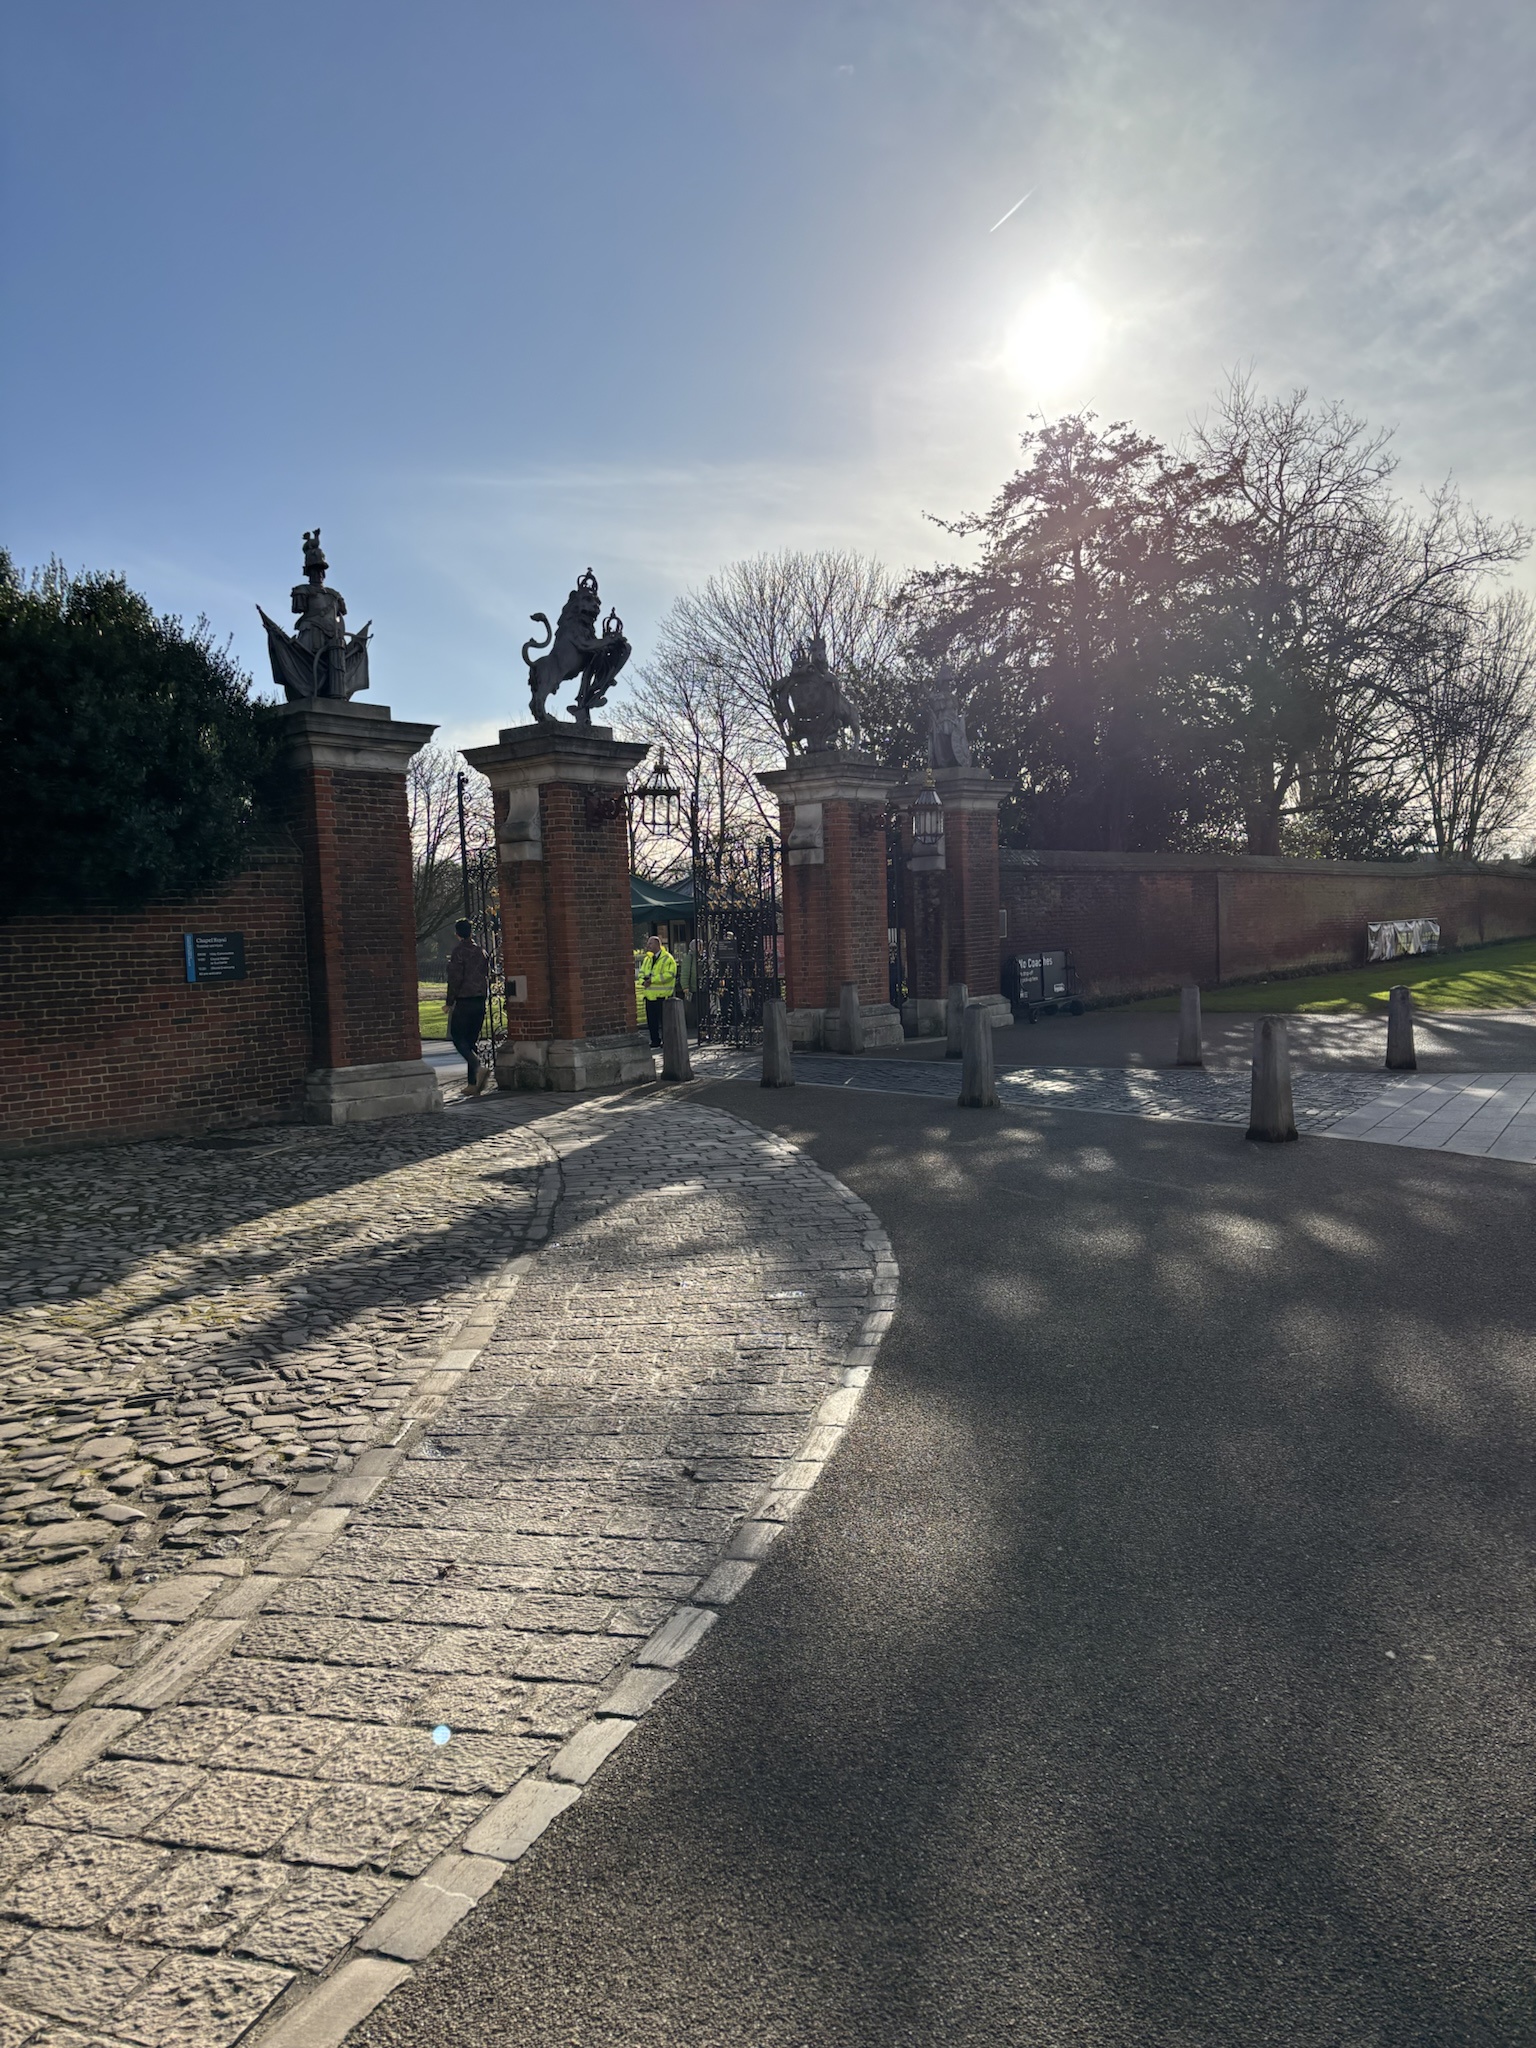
1390, 941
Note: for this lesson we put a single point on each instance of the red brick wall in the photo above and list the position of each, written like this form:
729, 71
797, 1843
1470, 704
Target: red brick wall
1139, 922
102, 1036
566, 921
835, 912
970, 855
355, 835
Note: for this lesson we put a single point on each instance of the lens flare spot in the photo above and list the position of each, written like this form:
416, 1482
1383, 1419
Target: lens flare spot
1055, 340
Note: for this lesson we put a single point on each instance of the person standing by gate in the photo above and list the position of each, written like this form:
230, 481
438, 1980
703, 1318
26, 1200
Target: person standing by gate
656, 981
469, 983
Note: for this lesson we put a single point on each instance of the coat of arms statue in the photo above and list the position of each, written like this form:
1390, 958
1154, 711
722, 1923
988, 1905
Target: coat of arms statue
948, 746
320, 658
575, 647
813, 707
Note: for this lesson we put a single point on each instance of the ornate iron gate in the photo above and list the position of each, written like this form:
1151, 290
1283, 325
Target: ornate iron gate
896, 910
482, 906
738, 938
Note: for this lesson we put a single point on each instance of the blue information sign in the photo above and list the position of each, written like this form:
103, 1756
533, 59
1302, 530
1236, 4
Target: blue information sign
214, 956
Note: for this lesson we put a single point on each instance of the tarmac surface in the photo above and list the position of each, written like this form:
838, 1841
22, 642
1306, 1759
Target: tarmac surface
1153, 1665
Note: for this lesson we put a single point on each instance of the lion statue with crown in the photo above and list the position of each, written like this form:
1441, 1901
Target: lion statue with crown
575, 647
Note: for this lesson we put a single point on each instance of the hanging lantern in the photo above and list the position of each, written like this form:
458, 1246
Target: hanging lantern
657, 798
928, 819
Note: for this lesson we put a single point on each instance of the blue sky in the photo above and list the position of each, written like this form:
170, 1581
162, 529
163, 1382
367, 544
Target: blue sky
492, 291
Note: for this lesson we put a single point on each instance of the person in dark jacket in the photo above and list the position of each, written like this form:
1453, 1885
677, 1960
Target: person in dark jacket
469, 984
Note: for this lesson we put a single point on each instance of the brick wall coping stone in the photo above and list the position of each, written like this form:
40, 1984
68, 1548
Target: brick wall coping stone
961, 789
332, 732
1060, 858
831, 775
527, 755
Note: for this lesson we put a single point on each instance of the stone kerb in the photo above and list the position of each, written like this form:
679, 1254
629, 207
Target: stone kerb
563, 855
347, 766
832, 816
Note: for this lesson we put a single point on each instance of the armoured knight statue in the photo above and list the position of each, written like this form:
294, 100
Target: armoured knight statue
576, 648
812, 706
948, 746
320, 658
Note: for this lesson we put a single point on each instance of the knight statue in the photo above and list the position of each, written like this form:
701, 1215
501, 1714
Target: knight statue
813, 707
575, 647
320, 658
948, 746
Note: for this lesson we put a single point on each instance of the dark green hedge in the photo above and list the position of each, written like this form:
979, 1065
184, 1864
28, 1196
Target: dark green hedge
133, 760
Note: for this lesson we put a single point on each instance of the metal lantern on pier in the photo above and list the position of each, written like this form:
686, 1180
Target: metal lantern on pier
657, 800
928, 818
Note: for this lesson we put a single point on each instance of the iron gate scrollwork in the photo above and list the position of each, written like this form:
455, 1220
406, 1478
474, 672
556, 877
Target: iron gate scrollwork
896, 911
482, 906
739, 945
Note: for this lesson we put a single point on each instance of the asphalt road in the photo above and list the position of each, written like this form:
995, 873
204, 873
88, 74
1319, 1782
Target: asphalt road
1155, 1663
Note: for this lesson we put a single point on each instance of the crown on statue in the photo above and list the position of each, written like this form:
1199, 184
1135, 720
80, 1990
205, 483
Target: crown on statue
587, 582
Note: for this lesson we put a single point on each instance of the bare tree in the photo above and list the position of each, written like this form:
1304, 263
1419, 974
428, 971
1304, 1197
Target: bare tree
748, 618
706, 695
432, 796
1326, 580
714, 745
1467, 702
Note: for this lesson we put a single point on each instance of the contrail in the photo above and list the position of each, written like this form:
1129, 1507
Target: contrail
1011, 211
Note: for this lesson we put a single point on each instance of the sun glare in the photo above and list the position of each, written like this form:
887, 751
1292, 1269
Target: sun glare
1055, 340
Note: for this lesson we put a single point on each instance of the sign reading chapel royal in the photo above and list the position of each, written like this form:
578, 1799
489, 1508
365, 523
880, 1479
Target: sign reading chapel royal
214, 956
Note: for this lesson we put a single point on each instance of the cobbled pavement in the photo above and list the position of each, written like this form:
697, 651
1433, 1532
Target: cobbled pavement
383, 1478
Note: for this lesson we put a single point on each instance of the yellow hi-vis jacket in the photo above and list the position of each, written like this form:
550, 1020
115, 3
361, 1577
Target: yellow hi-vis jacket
655, 977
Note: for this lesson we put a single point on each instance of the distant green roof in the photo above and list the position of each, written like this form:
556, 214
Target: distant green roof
652, 899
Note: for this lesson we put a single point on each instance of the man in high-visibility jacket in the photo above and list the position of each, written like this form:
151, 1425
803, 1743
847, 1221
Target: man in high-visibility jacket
654, 982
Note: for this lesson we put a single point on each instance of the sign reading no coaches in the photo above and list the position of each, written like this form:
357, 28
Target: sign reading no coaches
214, 956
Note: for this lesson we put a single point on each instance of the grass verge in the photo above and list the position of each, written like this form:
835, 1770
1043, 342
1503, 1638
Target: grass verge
1501, 977
432, 1008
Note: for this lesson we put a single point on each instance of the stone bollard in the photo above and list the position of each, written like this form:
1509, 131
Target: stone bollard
1189, 1054
978, 1082
778, 1071
675, 1064
850, 1019
1271, 1116
1400, 1052
954, 1016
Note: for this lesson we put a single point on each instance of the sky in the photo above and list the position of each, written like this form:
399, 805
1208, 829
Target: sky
492, 290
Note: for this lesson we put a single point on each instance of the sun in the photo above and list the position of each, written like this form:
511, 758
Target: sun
1055, 340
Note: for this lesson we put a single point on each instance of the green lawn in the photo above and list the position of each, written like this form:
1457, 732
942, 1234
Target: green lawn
432, 1005
1487, 978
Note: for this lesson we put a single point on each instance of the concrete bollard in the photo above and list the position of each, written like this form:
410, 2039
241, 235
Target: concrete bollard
1271, 1115
978, 1081
675, 1064
850, 1019
1400, 1052
778, 1070
954, 1019
1189, 1054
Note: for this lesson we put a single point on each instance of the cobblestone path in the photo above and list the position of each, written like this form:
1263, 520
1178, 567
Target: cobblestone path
195, 1337
260, 1812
